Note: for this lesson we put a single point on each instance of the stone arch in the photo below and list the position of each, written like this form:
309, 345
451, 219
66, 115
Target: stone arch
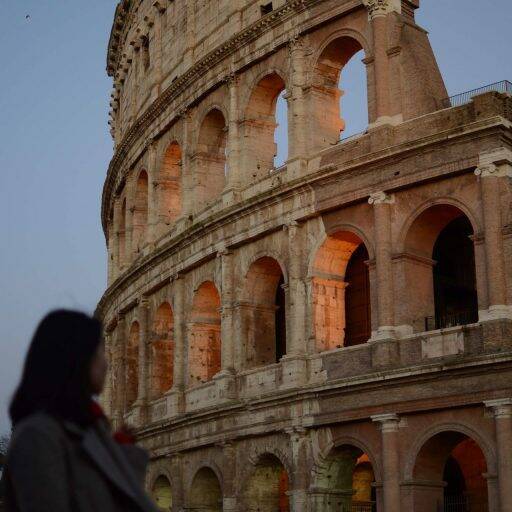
170, 186
161, 491
340, 290
263, 313
453, 460
426, 205
267, 486
462, 428
205, 490
343, 226
204, 350
132, 363
343, 478
262, 253
438, 256
162, 350
209, 160
259, 124
140, 212
325, 94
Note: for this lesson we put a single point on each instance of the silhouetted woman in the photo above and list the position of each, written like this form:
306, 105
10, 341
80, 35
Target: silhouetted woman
63, 457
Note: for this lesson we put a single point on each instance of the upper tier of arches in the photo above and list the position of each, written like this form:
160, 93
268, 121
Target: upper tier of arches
219, 134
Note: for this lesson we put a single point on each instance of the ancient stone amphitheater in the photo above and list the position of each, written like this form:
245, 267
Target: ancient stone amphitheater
332, 334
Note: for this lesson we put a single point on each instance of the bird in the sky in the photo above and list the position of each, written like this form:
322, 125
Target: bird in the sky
27, 17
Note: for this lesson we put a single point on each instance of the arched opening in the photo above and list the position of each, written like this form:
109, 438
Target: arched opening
132, 364
162, 353
264, 313
204, 354
266, 490
169, 187
454, 466
210, 158
345, 481
205, 493
140, 213
341, 292
162, 494
281, 131
338, 97
439, 269
259, 127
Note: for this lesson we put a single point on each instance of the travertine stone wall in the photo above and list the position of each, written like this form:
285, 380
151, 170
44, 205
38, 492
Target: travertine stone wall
231, 289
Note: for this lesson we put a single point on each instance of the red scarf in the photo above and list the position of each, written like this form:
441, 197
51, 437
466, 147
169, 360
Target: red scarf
121, 436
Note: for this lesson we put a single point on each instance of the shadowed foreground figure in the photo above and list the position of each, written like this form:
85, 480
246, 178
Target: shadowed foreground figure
63, 457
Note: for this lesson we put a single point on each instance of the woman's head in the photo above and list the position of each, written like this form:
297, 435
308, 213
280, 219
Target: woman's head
64, 367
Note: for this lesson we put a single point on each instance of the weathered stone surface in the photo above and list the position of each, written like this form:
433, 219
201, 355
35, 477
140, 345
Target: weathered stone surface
229, 314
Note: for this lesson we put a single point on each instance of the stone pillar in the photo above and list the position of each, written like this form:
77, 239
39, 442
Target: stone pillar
494, 168
225, 379
385, 291
175, 396
178, 485
188, 57
119, 369
156, 54
186, 170
378, 12
294, 362
117, 252
107, 394
143, 363
390, 460
153, 195
297, 148
233, 181
502, 409
130, 208
300, 448
229, 477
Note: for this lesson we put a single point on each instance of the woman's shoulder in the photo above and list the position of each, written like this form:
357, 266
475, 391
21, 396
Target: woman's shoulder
37, 426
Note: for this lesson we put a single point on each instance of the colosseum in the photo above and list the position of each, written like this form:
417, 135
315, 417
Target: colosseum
333, 334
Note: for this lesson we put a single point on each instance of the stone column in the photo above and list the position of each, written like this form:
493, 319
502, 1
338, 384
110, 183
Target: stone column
297, 148
143, 363
130, 208
494, 168
186, 170
117, 234
227, 292
175, 396
502, 409
294, 362
153, 195
156, 54
300, 447
119, 369
188, 57
229, 477
107, 394
225, 379
233, 181
385, 291
378, 11
390, 460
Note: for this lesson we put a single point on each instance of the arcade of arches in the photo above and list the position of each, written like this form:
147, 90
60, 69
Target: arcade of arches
300, 318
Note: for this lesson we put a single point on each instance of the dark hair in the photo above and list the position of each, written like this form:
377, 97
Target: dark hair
56, 376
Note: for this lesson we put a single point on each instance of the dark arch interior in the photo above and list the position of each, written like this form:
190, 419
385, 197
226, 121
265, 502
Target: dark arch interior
357, 298
455, 293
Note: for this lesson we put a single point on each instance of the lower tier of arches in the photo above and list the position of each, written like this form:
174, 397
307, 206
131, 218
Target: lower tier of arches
450, 460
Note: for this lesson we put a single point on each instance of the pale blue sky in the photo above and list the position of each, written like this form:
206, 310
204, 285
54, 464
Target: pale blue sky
55, 146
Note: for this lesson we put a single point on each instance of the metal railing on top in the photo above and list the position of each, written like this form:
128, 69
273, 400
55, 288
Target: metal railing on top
451, 320
465, 97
